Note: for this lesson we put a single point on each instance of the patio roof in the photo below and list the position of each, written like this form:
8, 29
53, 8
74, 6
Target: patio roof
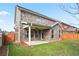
38, 26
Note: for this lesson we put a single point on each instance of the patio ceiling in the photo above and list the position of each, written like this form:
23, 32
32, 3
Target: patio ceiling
36, 26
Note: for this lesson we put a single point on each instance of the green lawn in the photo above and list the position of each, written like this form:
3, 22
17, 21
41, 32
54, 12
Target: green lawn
67, 48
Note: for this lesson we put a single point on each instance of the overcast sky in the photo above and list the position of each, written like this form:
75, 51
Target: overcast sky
52, 10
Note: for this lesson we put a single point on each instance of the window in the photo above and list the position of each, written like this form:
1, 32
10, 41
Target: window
26, 34
36, 34
32, 33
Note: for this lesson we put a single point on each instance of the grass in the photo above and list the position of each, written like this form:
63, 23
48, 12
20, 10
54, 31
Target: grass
65, 48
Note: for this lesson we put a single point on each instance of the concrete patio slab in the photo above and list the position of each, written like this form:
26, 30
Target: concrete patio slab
37, 42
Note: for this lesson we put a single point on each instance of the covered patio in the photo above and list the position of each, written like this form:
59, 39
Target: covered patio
35, 34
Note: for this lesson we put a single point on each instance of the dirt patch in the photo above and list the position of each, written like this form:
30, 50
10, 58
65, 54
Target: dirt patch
22, 44
55, 41
3, 51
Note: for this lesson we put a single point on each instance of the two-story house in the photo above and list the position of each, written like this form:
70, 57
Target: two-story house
32, 26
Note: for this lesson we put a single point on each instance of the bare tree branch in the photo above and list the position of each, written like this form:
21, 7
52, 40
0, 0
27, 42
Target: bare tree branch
70, 12
75, 13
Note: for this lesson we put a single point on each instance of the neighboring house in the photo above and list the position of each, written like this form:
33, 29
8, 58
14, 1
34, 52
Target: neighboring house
32, 26
66, 28
0, 37
77, 30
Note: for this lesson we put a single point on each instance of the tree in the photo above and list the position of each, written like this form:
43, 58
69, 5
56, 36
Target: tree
72, 9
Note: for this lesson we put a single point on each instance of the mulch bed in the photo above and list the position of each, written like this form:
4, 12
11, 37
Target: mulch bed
3, 51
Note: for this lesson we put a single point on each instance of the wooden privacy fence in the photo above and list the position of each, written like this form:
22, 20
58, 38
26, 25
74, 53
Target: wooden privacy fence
9, 37
68, 36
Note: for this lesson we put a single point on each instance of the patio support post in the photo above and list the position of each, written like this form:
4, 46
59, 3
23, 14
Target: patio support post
29, 35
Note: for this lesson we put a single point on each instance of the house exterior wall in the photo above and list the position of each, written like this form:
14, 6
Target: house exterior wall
31, 18
47, 34
17, 23
56, 32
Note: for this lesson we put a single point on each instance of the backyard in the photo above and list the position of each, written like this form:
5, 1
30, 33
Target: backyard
64, 48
